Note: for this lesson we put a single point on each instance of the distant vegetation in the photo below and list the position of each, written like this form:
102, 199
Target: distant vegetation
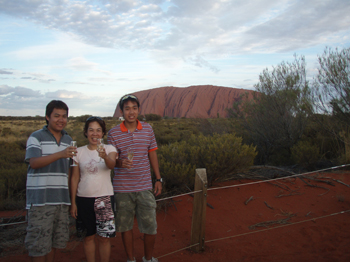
292, 121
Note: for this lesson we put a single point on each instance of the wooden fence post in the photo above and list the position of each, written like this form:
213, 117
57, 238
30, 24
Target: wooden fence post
199, 210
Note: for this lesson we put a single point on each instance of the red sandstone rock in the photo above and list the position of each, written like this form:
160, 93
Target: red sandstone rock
190, 102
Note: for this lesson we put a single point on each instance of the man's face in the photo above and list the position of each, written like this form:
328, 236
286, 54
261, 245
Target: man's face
57, 120
130, 111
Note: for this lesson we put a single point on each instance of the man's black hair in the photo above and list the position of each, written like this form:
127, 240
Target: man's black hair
126, 98
58, 104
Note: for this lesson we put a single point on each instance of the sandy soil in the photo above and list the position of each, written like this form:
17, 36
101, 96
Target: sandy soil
285, 220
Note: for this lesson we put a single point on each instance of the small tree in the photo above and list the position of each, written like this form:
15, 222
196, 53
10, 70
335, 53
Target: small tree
332, 93
276, 116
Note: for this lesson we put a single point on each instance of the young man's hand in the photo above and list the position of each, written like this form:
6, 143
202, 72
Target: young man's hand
158, 188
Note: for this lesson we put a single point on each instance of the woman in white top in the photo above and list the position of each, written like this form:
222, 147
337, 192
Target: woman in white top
92, 191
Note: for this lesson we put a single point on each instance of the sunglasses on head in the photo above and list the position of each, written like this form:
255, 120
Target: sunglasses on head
94, 118
128, 96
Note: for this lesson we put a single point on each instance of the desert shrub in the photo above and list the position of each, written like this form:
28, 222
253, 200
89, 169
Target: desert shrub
217, 125
82, 118
6, 131
173, 130
13, 171
153, 117
221, 155
306, 154
141, 117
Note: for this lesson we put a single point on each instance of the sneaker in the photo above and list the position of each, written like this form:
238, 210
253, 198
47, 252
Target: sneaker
131, 260
151, 260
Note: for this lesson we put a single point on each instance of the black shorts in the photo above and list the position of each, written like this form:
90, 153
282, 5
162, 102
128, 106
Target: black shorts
95, 216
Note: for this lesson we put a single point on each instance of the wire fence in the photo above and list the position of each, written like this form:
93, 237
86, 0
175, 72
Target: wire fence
262, 230
9, 223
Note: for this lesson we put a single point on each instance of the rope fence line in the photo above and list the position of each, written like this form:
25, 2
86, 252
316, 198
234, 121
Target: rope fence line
275, 227
279, 178
256, 182
244, 184
257, 231
171, 197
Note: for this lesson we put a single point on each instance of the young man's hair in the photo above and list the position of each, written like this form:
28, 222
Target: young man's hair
127, 98
97, 119
58, 104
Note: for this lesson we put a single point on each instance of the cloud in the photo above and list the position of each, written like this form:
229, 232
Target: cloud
186, 30
304, 23
19, 91
65, 94
3, 72
21, 101
26, 92
81, 64
200, 62
5, 89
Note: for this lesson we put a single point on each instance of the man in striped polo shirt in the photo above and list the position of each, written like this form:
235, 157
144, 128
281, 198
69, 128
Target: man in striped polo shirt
48, 152
132, 182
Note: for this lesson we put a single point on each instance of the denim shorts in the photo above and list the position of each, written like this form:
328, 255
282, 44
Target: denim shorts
143, 205
48, 227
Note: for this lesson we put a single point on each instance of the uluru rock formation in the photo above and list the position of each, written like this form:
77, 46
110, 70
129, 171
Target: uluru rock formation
190, 102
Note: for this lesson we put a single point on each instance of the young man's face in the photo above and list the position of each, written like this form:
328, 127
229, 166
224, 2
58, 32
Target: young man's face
130, 111
57, 120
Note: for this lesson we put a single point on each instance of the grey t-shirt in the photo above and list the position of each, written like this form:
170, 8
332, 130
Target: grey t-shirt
47, 185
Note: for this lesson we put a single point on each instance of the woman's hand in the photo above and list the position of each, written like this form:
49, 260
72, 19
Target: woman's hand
102, 153
73, 210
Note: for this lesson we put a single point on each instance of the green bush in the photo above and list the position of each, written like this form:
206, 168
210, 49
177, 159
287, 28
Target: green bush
306, 154
13, 171
152, 117
221, 155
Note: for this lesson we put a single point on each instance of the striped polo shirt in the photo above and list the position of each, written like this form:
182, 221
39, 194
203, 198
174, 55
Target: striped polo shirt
142, 141
47, 185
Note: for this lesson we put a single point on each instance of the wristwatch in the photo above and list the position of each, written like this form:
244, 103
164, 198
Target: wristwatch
159, 180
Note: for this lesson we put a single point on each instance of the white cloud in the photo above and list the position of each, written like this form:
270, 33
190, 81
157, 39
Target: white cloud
5, 72
19, 91
87, 48
80, 63
186, 28
5, 89
65, 94
26, 92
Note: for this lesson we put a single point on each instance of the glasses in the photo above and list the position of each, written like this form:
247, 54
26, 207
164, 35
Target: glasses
94, 118
128, 96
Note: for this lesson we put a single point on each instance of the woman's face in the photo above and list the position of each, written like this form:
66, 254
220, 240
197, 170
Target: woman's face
94, 132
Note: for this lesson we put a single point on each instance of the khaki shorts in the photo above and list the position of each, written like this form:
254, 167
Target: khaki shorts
143, 205
48, 227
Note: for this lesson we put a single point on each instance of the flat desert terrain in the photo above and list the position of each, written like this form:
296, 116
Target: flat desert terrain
290, 219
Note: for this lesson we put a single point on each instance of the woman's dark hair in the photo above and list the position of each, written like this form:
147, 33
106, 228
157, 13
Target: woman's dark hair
58, 104
97, 119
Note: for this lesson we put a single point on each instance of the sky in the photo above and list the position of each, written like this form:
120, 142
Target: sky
89, 53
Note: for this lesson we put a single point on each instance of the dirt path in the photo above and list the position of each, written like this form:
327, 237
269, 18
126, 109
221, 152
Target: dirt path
259, 222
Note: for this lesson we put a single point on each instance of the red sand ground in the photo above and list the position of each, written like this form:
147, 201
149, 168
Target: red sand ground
324, 237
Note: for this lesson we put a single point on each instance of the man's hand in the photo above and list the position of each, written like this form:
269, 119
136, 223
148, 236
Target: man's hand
69, 152
158, 188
